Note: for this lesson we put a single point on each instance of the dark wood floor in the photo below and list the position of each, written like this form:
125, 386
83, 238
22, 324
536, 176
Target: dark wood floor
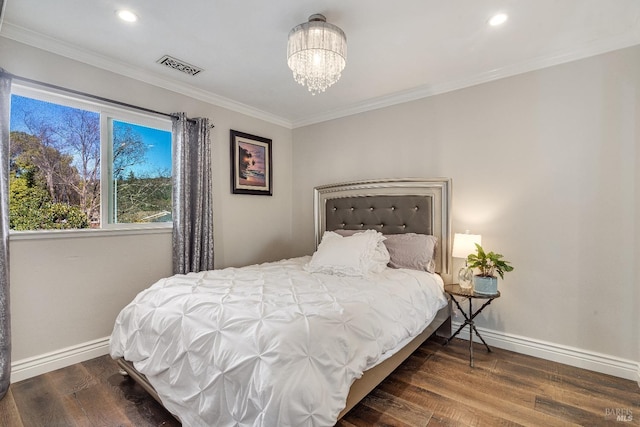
434, 387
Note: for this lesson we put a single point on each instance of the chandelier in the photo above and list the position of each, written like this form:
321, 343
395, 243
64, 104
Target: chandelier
316, 53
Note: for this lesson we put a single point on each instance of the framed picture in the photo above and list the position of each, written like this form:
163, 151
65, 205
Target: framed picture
250, 164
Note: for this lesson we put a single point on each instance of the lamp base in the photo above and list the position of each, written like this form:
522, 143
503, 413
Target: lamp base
465, 277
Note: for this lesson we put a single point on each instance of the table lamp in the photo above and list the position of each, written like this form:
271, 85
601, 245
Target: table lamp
463, 245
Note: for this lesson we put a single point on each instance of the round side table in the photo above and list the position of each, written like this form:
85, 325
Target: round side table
456, 291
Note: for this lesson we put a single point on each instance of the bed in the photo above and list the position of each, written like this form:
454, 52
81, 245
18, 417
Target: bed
298, 341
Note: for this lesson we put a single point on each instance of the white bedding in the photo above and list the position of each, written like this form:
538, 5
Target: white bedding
269, 344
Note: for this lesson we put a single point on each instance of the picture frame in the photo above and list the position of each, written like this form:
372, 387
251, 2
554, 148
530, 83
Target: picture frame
251, 164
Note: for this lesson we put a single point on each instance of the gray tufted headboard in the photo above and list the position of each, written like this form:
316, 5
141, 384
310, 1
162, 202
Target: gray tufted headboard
391, 206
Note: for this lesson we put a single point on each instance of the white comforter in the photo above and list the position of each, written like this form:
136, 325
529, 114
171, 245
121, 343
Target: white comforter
270, 344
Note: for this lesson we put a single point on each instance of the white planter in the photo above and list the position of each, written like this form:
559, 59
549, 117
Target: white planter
485, 285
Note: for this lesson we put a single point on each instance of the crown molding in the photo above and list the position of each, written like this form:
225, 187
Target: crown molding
596, 48
50, 44
56, 46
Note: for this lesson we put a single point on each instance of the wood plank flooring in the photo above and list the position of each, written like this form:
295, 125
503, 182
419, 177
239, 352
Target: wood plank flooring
434, 387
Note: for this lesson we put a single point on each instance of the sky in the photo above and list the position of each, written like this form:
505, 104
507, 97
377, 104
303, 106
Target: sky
158, 142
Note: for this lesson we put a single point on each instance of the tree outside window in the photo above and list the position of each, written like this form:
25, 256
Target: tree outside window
57, 165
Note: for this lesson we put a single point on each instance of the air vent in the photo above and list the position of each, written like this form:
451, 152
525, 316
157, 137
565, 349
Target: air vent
179, 65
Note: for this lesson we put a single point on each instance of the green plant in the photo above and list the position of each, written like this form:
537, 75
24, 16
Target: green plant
488, 263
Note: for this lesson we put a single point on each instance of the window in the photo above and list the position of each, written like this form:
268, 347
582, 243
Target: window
141, 174
79, 164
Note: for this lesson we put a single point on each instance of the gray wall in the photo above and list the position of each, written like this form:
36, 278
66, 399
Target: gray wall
68, 291
544, 166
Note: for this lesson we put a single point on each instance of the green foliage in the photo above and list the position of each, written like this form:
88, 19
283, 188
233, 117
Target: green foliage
61, 216
39, 187
45, 165
31, 208
26, 203
488, 263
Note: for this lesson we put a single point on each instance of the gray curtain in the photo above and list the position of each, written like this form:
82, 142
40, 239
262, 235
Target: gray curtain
5, 315
192, 198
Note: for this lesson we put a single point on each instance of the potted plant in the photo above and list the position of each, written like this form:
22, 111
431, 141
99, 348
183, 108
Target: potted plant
489, 263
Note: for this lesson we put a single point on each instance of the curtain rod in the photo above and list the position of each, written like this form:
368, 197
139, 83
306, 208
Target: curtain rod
89, 95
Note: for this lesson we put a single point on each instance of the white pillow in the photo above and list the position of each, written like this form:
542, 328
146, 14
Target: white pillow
356, 255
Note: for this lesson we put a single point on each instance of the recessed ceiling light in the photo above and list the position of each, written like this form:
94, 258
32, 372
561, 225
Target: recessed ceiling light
498, 19
127, 15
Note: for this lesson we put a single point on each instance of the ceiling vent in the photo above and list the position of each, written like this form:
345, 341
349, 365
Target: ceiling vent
179, 65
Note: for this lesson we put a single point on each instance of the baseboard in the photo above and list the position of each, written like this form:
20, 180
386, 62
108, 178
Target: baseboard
572, 356
33, 366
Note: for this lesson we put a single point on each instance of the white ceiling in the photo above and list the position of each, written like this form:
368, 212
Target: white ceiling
397, 50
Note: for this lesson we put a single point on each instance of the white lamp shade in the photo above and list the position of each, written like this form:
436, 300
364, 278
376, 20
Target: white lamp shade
464, 244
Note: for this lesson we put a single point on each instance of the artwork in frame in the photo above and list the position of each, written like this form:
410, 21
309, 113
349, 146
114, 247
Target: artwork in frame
251, 171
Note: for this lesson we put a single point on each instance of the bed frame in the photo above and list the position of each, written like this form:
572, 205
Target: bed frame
392, 206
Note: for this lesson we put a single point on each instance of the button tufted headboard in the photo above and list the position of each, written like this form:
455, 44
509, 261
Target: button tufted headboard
391, 206
386, 214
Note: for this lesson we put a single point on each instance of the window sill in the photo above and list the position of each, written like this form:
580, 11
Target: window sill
84, 233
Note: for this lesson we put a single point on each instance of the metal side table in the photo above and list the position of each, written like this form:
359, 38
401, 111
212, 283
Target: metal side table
456, 291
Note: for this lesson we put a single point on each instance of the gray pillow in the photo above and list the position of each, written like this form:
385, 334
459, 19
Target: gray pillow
411, 250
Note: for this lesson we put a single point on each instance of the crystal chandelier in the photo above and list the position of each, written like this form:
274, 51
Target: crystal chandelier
317, 53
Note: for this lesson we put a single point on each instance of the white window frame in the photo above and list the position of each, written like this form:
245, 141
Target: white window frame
107, 113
